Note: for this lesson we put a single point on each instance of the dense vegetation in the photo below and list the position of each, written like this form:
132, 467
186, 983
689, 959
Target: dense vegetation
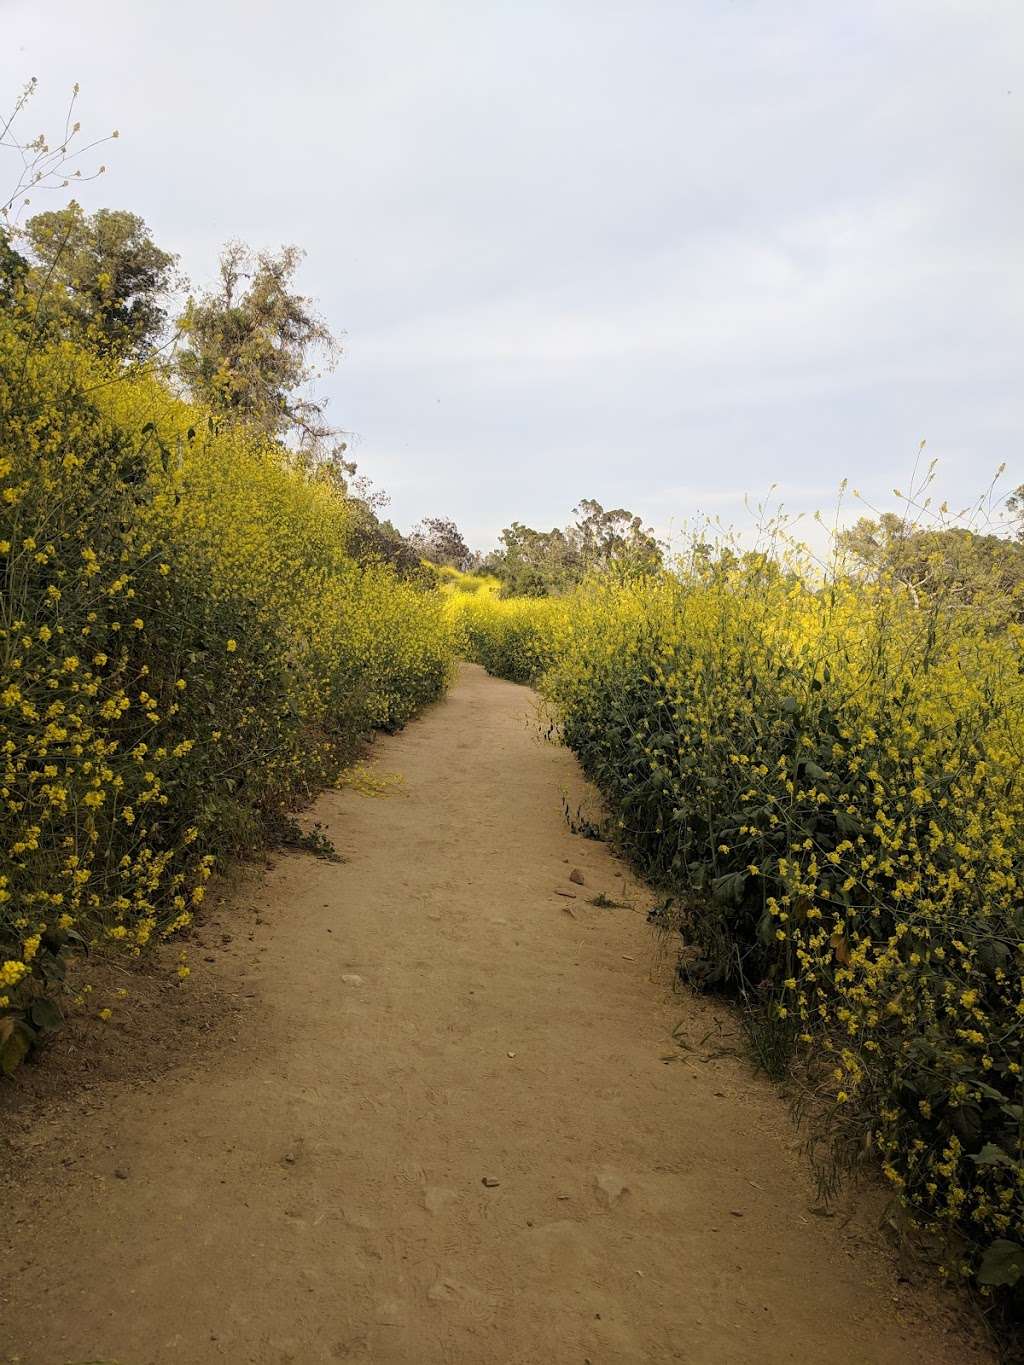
513, 637
825, 776
200, 618
203, 613
529, 563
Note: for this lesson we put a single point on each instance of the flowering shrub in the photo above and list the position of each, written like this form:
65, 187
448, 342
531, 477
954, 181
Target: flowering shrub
187, 648
512, 637
454, 581
828, 777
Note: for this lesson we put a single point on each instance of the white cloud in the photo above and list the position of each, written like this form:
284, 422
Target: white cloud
658, 254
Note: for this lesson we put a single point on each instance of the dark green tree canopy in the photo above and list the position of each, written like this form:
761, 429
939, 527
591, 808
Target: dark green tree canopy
101, 276
542, 563
534, 563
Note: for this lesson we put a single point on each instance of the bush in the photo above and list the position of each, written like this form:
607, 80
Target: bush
512, 637
826, 778
829, 775
188, 649
452, 580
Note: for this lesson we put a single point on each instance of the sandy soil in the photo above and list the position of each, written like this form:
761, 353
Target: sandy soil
443, 1120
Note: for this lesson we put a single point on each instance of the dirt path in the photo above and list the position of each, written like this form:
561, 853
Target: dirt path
443, 1130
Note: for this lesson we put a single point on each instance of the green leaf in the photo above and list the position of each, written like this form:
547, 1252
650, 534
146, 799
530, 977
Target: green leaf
966, 1122
53, 940
992, 955
991, 1155
766, 929
46, 1016
1002, 1263
729, 888
14, 1049
52, 969
988, 1091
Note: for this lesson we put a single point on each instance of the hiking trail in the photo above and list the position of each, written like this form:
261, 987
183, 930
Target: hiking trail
449, 1123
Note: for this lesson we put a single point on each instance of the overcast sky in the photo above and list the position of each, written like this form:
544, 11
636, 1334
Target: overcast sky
660, 254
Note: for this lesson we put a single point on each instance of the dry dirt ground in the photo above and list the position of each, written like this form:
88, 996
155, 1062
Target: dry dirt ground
425, 1109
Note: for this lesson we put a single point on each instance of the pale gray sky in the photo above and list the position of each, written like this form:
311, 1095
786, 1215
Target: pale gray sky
660, 254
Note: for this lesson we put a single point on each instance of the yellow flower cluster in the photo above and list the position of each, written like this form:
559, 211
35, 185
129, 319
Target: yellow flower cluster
512, 637
186, 647
828, 775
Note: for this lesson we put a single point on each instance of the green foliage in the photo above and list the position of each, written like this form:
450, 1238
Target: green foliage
315, 841
828, 778
512, 637
613, 540
249, 344
951, 562
100, 277
187, 650
440, 541
535, 563
373, 539
546, 563
13, 271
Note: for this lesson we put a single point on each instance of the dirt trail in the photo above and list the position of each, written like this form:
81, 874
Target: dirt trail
444, 1129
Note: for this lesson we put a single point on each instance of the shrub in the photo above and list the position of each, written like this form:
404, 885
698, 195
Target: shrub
512, 637
453, 580
829, 776
188, 649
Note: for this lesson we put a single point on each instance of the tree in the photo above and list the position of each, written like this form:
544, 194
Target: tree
870, 544
371, 539
541, 563
250, 343
101, 276
440, 540
615, 537
13, 270
952, 561
1015, 506
535, 563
